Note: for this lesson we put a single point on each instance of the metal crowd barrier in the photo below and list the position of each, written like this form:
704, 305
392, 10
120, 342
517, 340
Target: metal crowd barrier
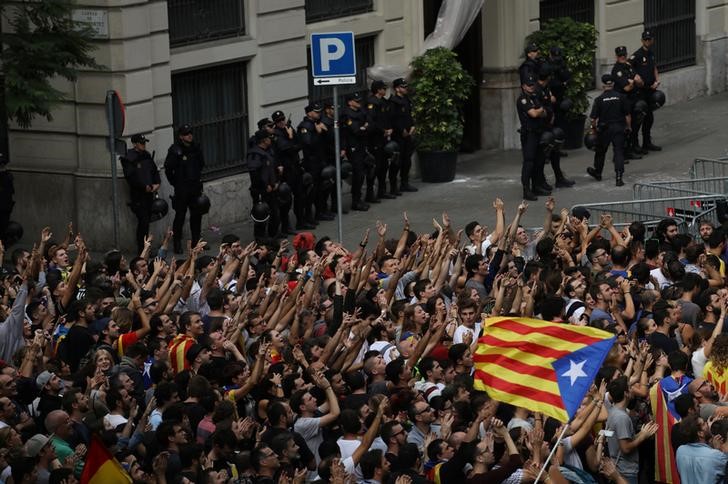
681, 188
709, 168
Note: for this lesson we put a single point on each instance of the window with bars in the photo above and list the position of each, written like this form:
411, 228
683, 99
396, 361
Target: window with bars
214, 102
579, 10
673, 25
193, 21
318, 10
364, 47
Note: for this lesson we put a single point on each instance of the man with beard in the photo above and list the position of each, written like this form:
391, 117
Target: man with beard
75, 404
705, 230
666, 232
284, 444
374, 467
708, 399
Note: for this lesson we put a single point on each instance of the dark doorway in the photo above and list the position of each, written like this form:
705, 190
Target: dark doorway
470, 54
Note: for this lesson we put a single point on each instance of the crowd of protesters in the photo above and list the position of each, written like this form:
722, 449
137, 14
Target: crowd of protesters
313, 362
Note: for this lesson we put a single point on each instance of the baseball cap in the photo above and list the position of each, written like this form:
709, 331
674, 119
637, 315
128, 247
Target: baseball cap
278, 116
315, 107
260, 135
35, 444
531, 48
42, 380
621, 50
377, 85
354, 96
100, 324
556, 51
607, 79
580, 213
399, 82
529, 81
194, 351
647, 34
264, 122
138, 138
184, 129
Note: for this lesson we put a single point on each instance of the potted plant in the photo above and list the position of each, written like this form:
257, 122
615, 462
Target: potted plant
578, 41
440, 86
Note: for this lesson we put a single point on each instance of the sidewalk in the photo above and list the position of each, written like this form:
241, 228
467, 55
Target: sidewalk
685, 131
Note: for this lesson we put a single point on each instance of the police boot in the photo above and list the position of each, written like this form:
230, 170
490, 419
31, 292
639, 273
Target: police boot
370, 198
382, 193
529, 195
619, 182
394, 190
563, 182
649, 146
594, 173
540, 190
359, 206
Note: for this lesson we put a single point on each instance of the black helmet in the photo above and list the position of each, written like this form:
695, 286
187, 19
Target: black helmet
590, 141
547, 139
640, 107
559, 135
307, 179
260, 213
201, 204
657, 100
284, 193
159, 209
328, 172
346, 169
13, 233
566, 104
391, 148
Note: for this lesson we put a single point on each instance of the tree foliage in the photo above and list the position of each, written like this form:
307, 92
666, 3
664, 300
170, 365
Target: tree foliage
440, 86
578, 41
43, 42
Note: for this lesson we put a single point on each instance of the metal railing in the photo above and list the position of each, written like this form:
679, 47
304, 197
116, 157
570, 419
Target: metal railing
318, 10
709, 168
679, 188
193, 21
213, 102
673, 25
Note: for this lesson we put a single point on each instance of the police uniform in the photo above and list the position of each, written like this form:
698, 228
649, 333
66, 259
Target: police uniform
286, 149
623, 75
531, 130
643, 62
400, 118
378, 128
354, 138
560, 77
530, 67
264, 183
140, 172
313, 147
183, 169
609, 115
551, 152
329, 143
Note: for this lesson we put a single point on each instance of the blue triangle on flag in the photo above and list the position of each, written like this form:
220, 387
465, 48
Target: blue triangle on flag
575, 373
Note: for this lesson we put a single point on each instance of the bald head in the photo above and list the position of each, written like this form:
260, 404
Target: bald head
58, 422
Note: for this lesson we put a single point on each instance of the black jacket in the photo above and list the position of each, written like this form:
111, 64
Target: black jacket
183, 167
140, 171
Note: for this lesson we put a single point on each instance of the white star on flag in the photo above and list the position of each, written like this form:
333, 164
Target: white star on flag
576, 370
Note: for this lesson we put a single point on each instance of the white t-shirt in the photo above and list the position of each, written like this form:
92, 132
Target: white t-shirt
698, 361
660, 278
460, 331
112, 421
483, 247
310, 429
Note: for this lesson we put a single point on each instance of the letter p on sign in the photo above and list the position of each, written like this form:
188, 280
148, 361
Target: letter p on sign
333, 54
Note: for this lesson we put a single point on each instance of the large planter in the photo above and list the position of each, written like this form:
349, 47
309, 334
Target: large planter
437, 166
574, 129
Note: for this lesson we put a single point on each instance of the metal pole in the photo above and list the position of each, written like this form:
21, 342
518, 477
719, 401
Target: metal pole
112, 149
337, 149
553, 451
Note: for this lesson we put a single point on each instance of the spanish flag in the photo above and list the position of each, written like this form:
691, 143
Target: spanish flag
542, 366
101, 467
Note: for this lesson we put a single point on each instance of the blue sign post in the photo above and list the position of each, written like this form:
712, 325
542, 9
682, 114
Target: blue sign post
333, 62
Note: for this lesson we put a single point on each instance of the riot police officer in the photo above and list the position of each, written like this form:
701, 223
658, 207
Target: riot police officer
643, 62
532, 116
379, 133
264, 181
266, 125
327, 137
311, 132
183, 168
624, 82
403, 127
610, 120
551, 151
532, 65
354, 130
286, 150
560, 77
142, 175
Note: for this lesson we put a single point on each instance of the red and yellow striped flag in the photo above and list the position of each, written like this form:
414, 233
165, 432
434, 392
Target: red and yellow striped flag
665, 464
101, 467
542, 366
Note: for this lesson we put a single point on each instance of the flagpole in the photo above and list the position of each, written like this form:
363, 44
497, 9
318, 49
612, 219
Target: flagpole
553, 451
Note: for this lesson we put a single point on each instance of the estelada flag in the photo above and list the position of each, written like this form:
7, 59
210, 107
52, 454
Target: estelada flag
101, 467
542, 366
665, 464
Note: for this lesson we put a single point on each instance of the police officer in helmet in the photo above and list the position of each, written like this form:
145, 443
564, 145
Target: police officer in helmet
625, 81
264, 182
286, 149
380, 133
142, 175
403, 129
183, 168
354, 130
532, 115
647, 80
